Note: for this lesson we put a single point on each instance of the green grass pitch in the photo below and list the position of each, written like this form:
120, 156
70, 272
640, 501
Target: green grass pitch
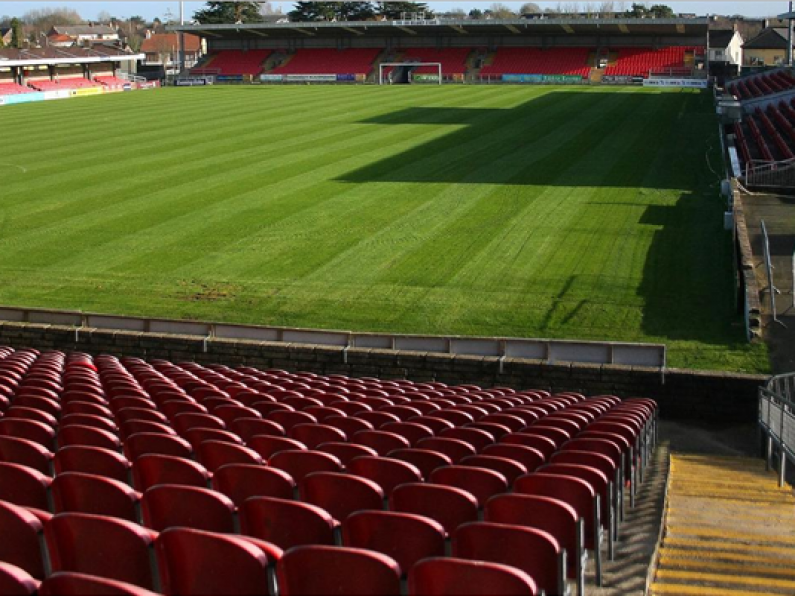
586, 213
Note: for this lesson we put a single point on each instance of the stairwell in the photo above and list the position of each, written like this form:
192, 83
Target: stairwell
277, 58
385, 56
729, 530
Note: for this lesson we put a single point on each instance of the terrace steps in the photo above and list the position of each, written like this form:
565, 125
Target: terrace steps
729, 529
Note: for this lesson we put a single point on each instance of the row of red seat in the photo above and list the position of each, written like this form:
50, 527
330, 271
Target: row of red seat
8, 88
150, 405
637, 62
761, 85
329, 61
565, 61
63, 83
234, 63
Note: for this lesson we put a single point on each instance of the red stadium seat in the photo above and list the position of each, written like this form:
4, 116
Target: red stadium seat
88, 493
449, 506
79, 542
455, 449
167, 506
337, 571
341, 494
243, 481
153, 469
286, 523
23, 536
299, 464
385, 472
15, 581
445, 576
26, 453
405, 537
24, 486
81, 584
92, 460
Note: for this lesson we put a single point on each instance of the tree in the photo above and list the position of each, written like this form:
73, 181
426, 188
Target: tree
501, 11
217, 13
396, 10
476, 13
16, 33
530, 8
661, 11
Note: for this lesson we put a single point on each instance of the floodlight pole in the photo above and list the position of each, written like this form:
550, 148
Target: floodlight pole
181, 38
789, 37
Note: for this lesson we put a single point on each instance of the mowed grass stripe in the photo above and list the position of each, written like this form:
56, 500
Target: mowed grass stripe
568, 212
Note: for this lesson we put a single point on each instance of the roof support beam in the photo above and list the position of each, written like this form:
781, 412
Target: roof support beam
352, 30
255, 32
512, 29
623, 28
680, 28
407, 30
208, 33
567, 29
304, 31
459, 29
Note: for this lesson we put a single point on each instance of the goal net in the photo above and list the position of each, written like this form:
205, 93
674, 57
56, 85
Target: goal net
432, 77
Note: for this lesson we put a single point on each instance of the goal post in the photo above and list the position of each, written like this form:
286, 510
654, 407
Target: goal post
437, 65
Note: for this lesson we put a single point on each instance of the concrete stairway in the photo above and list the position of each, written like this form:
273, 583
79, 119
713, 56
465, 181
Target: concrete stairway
729, 529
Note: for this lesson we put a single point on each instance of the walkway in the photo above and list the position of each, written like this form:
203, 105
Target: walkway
729, 529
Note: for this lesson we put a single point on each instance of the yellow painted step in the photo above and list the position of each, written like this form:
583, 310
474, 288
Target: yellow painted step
749, 568
676, 540
734, 535
698, 576
684, 590
711, 554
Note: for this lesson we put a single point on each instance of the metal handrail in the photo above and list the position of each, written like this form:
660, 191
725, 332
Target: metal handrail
776, 417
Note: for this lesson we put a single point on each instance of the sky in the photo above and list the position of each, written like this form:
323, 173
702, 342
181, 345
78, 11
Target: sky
151, 9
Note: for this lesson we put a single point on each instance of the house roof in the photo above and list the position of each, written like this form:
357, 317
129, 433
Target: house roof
59, 37
160, 41
75, 30
772, 38
721, 38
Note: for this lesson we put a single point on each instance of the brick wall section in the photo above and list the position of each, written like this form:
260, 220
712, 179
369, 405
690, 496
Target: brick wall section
682, 394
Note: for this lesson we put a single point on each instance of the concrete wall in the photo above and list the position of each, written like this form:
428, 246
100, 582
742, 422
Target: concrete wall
682, 394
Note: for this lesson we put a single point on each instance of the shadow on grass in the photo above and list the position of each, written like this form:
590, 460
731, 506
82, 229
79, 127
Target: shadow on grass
557, 139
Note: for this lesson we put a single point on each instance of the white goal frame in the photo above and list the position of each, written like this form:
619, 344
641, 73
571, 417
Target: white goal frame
381, 66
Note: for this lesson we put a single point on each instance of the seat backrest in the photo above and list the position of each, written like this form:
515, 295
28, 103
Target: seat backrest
25, 452
198, 435
425, 460
15, 581
170, 505
88, 493
92, 460
573, 491
550, 430
341, 494
382, 441
313, 435
405, 537
543, 444
455, 449
22, 532
79, 434
447, 505
152, 469
300, 463
246, 428
131, 427
187, 421
586, 458
243, 481
151, 443
99, 545
597, 479
32, 430
535, 511
194, 562
435, 423
478, 438
534, 551
345, 452
482, 483
267, 445
91, 420
68, 583
411, 431
594, 445
214, 454
449, 575
528, 457
337, 571
286, 523
385, 472
509, 468
288, 419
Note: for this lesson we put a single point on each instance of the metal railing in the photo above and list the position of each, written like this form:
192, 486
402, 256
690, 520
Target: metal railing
549, 350
777, 421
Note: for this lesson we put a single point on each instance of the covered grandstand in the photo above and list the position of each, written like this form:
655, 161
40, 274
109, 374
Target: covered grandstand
57, 73
548, 50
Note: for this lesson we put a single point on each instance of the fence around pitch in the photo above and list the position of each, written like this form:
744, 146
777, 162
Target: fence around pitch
549, 350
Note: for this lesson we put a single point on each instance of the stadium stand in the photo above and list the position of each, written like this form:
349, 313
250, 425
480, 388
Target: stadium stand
453, 60
639, 62
8, 88
564, 61
110, 81
219, 505
63, 83
329, 61
234, 63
